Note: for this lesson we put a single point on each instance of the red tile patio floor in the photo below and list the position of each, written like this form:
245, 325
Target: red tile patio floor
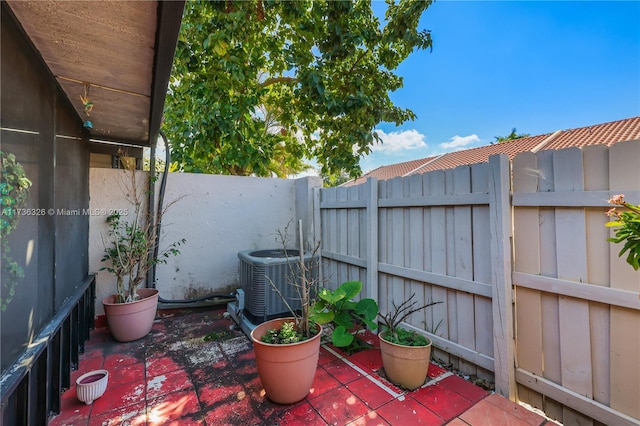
174, 376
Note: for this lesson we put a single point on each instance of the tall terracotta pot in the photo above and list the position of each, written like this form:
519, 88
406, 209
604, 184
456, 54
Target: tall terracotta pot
133, 320
286, 371
405, 366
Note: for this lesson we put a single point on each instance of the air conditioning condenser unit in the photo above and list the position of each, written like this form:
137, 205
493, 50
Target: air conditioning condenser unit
260, 270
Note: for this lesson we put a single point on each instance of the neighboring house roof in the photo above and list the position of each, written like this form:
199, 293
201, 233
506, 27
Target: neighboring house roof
604, 134
481, 154
394, 170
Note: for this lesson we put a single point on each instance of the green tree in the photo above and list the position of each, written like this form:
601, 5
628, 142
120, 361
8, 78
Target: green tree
335, 179
511, 136
259, 85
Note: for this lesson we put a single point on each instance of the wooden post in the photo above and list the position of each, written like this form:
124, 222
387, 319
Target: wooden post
500, 229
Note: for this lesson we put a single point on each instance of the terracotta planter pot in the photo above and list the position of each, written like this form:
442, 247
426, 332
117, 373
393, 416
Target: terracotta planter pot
286, 371
133, 320
405, 366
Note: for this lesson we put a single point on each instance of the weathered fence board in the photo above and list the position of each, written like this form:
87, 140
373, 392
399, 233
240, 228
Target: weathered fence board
342, 229
383, 256
528, 328
395, 244
464, 256
438, 250
575, 337
415, 248
595, 160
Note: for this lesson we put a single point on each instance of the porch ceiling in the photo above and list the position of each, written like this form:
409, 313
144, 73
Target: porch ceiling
119, 52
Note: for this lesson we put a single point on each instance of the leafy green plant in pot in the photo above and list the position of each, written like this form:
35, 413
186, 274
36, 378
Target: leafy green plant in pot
405, 353
344, 315
287, 356
130, 311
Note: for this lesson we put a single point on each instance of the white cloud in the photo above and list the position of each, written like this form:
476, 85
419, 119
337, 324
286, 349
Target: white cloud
460, 142
398, 141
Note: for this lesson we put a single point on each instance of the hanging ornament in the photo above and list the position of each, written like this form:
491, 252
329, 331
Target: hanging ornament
88, 105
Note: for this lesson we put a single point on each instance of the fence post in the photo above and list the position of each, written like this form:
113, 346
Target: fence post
371, 194
306, 210
501, 267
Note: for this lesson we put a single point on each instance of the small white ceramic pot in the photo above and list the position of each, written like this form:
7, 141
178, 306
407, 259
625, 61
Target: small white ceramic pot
91, 386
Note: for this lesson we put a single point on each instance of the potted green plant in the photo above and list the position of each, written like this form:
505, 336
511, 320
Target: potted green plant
286, 359
287, 349
287, 355
343, 315
627, 229
405, 353
130, 311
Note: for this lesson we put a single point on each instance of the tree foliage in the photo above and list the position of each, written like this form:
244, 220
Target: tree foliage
336, 179
511, 136
14, 190
259, 85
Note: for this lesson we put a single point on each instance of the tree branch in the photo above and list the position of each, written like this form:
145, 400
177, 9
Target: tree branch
281, 79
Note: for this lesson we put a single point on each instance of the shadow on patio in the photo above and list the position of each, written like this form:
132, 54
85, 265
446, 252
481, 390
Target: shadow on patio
174, 376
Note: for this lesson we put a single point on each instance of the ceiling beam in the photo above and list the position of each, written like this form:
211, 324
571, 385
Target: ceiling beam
169, 21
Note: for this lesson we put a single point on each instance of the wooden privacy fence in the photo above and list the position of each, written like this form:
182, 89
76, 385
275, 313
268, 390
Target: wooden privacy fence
533, 295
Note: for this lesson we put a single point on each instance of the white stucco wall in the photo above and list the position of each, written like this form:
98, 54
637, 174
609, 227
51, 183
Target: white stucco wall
217, 215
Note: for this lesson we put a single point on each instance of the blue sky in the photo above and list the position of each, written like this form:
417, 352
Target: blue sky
538, 66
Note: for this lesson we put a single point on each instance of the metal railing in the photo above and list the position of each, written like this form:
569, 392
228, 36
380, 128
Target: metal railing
31, 388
